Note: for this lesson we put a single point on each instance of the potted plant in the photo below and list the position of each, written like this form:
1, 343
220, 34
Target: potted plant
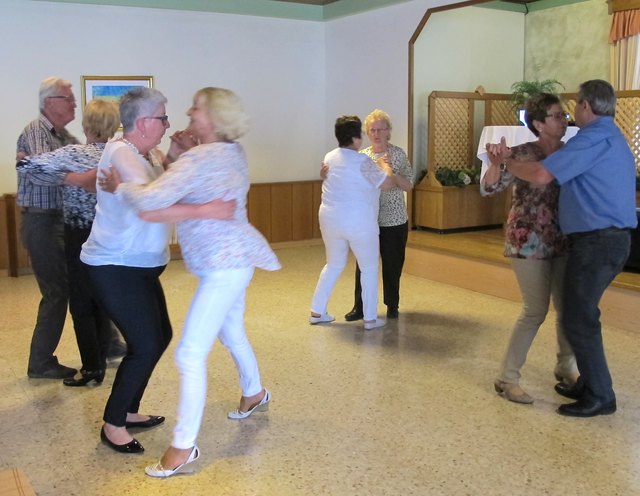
522, 90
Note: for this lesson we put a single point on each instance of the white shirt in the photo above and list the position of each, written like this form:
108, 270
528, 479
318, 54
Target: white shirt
118, 235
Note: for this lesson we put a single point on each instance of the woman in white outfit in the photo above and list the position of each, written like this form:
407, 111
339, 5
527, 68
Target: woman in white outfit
222, 253
349, 219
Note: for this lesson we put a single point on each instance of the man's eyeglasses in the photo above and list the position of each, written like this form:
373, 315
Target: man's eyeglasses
69, 99
559, 116
163, 118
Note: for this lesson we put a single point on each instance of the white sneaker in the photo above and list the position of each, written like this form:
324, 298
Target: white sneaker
323, 318
374, 324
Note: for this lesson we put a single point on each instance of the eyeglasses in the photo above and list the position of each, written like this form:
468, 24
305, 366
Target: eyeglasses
163, 118
70, 99
559, 116
379, 130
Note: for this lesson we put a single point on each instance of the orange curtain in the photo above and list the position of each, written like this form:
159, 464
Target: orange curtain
625, 23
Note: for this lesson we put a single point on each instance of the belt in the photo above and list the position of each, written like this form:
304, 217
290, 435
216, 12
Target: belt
42, 211
598, 231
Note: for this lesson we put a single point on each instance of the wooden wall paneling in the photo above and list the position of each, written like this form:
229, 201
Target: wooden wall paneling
302, 211
259, 208
4, 239
317, 199
281, 214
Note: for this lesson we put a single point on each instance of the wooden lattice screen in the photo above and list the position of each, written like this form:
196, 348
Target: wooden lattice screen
451, 140
452, 136
628, 120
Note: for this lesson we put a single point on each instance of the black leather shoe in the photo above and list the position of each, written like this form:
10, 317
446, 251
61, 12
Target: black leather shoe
354, 314
573, 391
587, 408
87, 376
58, 371
131, 447
392, 312
145, 424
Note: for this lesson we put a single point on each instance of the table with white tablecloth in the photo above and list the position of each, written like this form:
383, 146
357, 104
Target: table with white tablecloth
514, 135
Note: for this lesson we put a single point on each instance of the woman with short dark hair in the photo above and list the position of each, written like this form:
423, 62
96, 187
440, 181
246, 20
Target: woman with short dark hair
535, 245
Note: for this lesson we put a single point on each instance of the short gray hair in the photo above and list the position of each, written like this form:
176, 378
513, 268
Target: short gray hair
50, 87
600, 95
139, 102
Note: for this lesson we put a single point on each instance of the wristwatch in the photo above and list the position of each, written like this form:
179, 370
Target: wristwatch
503, 166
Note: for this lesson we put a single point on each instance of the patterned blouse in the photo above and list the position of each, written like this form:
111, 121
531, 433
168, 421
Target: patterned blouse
204, 173
393, 211
532, 229
50, 169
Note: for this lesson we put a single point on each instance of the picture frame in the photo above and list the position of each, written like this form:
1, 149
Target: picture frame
111, 87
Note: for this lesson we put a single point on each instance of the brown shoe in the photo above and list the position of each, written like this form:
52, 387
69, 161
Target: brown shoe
512, 392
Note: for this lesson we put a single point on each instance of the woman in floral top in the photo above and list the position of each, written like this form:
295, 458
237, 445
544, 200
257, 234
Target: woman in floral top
222, 253
535, 245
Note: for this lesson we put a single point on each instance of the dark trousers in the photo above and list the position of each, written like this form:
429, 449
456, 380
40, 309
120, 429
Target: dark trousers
43, 237
90, 322
134, 300
594, 260
393, 241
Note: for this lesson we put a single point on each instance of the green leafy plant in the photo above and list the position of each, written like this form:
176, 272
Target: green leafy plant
522, 90
449, 176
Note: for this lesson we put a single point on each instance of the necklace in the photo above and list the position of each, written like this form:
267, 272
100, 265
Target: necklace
131, 145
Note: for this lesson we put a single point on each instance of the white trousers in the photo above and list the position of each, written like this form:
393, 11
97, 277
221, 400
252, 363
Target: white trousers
539, 281
365, 247
217, 310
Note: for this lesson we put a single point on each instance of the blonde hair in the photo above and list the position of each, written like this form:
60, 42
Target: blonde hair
101, 119
376, 115
225, 111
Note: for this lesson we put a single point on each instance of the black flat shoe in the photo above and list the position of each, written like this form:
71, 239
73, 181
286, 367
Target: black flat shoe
131, 447
87, 377
587, 408
354, 314
145, 424
573, 391
392, 313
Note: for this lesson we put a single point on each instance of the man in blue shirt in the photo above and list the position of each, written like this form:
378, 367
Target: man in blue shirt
597, 208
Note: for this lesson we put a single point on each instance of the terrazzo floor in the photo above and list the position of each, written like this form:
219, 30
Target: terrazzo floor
408, 409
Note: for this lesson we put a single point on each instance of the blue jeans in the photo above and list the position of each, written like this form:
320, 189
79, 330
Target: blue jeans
595, 258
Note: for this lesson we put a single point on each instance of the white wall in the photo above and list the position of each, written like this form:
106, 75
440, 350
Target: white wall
460, 49
294, 76
277, 66
367, 64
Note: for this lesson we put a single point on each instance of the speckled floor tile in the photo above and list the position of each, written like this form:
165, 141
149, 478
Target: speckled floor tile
408, 409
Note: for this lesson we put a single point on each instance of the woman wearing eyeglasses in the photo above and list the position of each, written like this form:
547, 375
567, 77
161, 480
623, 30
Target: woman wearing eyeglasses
535, 245
392, 215
124, 257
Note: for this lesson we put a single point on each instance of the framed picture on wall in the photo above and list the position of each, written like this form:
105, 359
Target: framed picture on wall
111, 87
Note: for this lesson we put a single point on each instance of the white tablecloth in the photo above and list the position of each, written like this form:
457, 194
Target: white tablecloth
515, 135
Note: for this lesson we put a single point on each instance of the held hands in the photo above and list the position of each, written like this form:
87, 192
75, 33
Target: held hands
384, 163
109, 179
498, 152
181, 141
324, 170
